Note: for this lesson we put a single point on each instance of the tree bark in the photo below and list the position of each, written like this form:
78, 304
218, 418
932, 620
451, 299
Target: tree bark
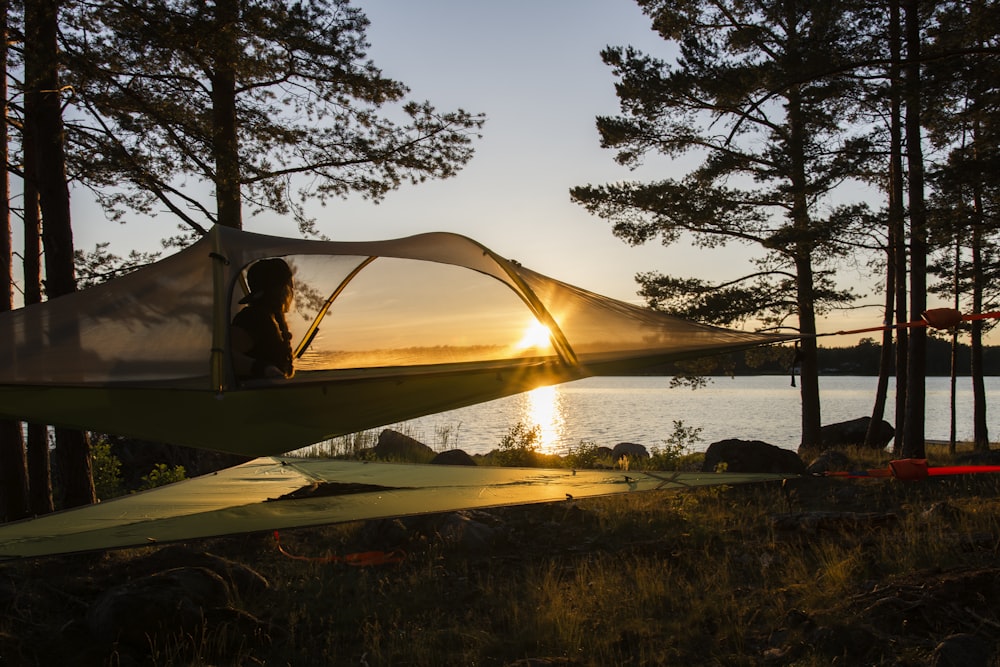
13, 464
39, 458
224, 119
808, 355
897, 217
42, 81
914, 445
981, 436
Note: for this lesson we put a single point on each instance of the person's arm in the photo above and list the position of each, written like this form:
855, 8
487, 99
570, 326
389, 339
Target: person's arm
241, 343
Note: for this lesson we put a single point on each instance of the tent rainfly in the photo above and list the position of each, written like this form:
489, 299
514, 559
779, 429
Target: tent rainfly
383, 331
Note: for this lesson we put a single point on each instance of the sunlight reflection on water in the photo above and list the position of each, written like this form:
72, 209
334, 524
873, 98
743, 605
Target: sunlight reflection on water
545, 410
609, 410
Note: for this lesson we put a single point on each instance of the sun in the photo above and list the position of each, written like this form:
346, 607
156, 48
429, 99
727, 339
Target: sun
535, 335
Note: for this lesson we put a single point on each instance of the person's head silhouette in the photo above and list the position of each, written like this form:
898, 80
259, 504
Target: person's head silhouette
270, 283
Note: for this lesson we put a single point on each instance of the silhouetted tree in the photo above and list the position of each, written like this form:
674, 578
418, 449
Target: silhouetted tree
760, 92
271, 102
13, 463
42, 84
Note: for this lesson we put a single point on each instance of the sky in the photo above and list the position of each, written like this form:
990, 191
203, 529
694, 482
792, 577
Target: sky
533, 67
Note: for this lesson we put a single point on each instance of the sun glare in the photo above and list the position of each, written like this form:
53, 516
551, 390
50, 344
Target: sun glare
535, 335
545, 410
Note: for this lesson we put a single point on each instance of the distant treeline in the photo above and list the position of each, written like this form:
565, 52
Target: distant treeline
862, 359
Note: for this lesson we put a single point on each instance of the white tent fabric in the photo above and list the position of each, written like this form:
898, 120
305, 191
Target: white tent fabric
389, 330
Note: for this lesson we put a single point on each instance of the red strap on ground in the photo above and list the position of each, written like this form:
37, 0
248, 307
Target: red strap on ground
909, 470
960, 470
360, 559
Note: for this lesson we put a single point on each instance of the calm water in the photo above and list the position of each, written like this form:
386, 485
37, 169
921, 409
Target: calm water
610, 410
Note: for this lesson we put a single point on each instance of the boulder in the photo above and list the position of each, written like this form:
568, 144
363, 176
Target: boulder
829, 461
964, 650
167, 604
852, 434
395, 446
453, 457
630, 449
751, 456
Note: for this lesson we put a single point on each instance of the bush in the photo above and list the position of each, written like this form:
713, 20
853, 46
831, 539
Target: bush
586, 455
675, 450
519, 446
162, 475
107, 471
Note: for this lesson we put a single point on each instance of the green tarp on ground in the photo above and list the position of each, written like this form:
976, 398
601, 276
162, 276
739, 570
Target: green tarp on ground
243, 499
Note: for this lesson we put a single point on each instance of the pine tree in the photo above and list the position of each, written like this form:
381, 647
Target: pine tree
271, 102
961, 123
761, 93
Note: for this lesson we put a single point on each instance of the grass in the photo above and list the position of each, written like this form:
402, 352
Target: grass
702, 577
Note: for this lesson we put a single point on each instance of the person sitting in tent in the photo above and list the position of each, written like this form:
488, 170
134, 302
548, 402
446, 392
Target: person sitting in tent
259, 337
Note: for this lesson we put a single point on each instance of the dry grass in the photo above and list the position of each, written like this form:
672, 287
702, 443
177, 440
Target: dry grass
700, 577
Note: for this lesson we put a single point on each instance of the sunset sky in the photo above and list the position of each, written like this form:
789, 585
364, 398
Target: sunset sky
534, 68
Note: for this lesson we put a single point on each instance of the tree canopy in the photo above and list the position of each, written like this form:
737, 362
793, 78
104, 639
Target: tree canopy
273, 103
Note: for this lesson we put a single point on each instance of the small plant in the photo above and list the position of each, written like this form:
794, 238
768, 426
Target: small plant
445, 434
519, 446
585, 455
107, 471
676, 447
161, 475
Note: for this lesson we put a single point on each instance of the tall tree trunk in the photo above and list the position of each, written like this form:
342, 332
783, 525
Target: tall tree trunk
42, 80
897, 216
956, 286
981, 436
914, 445
13, 464
885, 354
39, 458
895, 260
226, 143
801, 221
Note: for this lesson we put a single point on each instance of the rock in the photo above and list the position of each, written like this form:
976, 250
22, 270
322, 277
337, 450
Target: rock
963, 650
630, 449
852, 434
829, 461
751, 456
850, 644
453, 457
394, 446
167, 604
459, 529
242, 580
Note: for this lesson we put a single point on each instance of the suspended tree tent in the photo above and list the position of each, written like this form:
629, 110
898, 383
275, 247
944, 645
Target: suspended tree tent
384, 331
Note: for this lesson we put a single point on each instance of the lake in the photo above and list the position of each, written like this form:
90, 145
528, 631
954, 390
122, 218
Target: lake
642, 409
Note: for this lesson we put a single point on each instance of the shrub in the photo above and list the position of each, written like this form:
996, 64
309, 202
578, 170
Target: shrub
675, 450
519, 446
161, 475
107, 471
585, 455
